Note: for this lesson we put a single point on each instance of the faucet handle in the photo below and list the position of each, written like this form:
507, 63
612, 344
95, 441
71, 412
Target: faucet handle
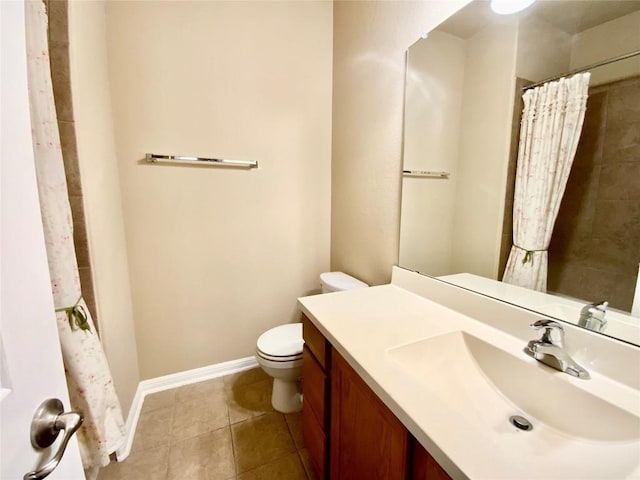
594, 307
546, 324
550, 326
593, 316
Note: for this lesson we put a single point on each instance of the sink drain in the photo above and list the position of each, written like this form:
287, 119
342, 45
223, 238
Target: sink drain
521, 423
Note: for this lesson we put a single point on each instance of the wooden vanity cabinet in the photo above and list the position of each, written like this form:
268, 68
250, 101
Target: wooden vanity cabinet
424, 466
349, 432
315, 388
367, 440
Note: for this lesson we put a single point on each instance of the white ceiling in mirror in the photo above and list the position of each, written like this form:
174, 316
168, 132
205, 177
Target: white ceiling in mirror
509, 7
460, 116
575, 16
570, 16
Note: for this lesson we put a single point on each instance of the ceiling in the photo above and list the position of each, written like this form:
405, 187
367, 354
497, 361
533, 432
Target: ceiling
571, 16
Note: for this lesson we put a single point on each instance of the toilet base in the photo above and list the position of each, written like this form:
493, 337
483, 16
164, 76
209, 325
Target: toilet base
286, 397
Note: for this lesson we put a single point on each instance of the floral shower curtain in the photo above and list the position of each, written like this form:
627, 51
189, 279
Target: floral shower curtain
89, 381
551, 124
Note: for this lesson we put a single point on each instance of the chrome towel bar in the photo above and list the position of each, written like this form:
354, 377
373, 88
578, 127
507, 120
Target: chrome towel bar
216, 162
425, 173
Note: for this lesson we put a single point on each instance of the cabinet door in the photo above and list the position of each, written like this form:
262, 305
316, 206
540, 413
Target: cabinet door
314, 421
367, 440
315, 441
314, 387
424, 465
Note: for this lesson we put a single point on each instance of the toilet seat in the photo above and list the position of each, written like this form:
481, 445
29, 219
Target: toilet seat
279, 350
273, 358
282, 343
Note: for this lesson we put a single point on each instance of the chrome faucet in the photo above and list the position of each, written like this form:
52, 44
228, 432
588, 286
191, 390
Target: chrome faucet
592, 316
549, 349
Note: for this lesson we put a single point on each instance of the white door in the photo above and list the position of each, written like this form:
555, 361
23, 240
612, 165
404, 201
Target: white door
31, 367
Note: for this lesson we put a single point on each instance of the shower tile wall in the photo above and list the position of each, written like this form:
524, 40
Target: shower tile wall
596, 241
507, 221
59, 54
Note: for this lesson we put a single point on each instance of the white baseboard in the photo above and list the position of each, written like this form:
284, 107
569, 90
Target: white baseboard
174, 380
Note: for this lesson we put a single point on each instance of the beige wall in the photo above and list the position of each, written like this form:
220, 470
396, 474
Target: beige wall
433, 104
218, 256
608, 40
464, 119
370, 41
544, 50
101, 190
484, 149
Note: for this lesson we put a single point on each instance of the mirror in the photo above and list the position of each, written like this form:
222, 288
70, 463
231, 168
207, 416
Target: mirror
462, 116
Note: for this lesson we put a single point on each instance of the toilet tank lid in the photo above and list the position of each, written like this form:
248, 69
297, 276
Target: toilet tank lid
341, 281
282, 341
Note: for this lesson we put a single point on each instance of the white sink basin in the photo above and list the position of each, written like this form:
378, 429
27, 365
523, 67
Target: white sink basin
487, 385
454, 376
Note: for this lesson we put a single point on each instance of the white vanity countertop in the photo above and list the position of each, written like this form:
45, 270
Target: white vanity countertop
364, 324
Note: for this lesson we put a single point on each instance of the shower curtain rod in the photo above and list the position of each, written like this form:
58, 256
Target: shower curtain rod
584, 69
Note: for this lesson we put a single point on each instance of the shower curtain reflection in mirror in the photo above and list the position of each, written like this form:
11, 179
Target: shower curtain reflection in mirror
550, 130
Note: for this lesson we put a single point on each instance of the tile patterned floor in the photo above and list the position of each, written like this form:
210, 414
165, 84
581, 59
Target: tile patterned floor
220, 429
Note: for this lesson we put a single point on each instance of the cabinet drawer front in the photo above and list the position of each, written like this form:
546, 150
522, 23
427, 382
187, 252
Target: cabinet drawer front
315, 341
315, 440
314, 387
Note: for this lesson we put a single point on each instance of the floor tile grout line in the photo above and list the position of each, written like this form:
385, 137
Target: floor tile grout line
279, 456
233, 446
139, 430
289, 428
188, 439
191, 439
233, 452
253, 417
171, 444
304, 467
229, 401
196, 397
275, 460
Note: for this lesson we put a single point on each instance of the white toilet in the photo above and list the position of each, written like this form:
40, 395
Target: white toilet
279, 350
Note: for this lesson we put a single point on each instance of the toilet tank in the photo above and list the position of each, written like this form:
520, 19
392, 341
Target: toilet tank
338, 281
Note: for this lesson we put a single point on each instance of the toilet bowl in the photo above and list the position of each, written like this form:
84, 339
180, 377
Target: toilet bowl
279, 353
279, 350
